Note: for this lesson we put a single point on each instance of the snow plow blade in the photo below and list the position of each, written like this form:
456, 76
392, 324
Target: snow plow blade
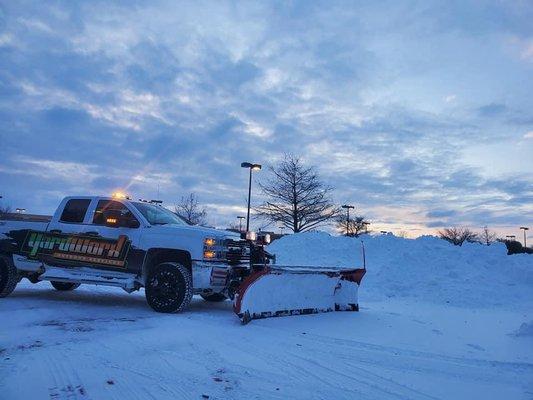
276, 291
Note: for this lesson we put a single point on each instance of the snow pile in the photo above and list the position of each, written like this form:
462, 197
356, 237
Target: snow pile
427, 268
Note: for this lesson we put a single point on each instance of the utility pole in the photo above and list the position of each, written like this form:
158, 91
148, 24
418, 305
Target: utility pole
240, 222
252, 167
524, 228
347, 207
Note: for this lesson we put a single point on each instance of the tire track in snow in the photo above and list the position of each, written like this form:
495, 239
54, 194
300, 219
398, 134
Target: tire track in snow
376, 383
67, 384
419, 361
347, 385
146, 381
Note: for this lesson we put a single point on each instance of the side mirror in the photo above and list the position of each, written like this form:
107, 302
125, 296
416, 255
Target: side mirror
133, 223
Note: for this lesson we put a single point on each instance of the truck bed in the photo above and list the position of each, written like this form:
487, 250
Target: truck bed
25, 217
14, 222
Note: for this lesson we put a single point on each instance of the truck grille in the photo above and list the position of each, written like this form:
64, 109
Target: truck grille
238, 251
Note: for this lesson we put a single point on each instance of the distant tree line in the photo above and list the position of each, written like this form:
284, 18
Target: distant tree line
460, 235
4, 210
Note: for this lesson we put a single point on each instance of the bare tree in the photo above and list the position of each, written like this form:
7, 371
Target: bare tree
458, 236
353, 227
402, 234
487, 236
189, 209
297, 198
4, 210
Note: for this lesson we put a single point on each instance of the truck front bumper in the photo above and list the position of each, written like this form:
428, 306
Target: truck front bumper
210, 276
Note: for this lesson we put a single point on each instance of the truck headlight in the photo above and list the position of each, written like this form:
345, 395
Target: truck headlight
209, 254
251, 236
210, 242
214, 249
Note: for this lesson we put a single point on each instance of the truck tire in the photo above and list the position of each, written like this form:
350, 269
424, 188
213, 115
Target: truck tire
214, 297
9, 277
169, 288
64, 286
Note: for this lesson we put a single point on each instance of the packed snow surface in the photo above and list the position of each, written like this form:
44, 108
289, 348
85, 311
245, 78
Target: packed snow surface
436, 322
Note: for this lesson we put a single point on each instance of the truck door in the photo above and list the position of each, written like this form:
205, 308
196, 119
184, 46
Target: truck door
127, 234
72, 217
62, 242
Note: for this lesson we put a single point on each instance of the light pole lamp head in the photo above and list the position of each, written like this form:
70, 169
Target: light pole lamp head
241, 217
252, 166
524, 228
347, 206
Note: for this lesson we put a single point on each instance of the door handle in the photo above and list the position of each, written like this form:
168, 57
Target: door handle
92, 233
56, 231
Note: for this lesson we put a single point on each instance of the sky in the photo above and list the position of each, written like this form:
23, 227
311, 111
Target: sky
418, 113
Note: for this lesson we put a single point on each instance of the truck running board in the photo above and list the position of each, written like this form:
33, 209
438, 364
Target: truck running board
276, 291
87, 275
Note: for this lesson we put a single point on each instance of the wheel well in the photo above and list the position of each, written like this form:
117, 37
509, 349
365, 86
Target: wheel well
157, 256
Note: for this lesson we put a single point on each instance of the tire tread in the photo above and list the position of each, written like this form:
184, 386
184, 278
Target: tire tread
12, 277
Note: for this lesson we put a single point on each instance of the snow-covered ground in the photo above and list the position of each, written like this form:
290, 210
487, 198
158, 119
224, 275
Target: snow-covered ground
436, 322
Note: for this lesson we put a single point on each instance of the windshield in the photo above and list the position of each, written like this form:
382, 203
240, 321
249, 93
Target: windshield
157, 215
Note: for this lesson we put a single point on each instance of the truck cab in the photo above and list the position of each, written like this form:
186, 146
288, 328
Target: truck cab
115, 241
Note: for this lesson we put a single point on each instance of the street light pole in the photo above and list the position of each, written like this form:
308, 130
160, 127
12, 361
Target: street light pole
252, 167
240, 222
524, 228
249, 200
347, 207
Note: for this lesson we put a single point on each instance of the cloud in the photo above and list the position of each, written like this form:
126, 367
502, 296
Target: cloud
528, 135
450, 98
492, 109
441, 213
170, 99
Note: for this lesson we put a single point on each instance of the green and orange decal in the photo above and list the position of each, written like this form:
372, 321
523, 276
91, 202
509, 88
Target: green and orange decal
77, 248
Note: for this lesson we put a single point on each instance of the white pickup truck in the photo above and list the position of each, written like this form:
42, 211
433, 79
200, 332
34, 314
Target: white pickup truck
129, 244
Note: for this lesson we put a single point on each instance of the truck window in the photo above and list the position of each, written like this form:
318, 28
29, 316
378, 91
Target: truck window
157, 215
104, 205
74, 211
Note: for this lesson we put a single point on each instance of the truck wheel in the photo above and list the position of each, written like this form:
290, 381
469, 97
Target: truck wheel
64, 286
214, 297
169, 288
9, 277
